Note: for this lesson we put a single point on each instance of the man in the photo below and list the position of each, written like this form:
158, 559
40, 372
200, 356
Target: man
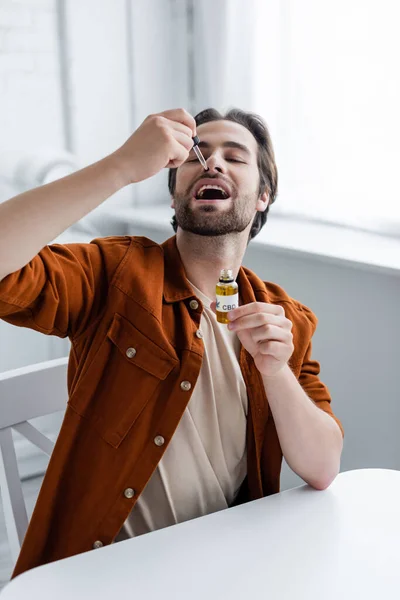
171, 415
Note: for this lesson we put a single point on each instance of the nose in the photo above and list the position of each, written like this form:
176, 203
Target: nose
216, 164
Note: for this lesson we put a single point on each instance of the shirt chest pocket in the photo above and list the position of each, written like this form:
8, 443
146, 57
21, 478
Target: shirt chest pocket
125, 373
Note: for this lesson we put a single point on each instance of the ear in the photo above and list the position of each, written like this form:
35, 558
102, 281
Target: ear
263, 202
172, 202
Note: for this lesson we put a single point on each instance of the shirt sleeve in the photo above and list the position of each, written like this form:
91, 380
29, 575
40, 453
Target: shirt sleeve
309, 379
314, 388
60, 291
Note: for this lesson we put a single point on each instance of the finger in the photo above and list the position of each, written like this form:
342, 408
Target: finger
275, 349
213, 306
256, 307
183, 139
271, 333
181, 116
182, 128
179, 153
256, 320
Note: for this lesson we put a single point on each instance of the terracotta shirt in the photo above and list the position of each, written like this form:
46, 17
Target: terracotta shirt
204, 466
132, 318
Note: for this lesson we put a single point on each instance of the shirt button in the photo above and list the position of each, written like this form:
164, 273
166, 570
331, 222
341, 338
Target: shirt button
159, 440
131, 352
199, 334
194, 305
186, 385
98, 544
129, 493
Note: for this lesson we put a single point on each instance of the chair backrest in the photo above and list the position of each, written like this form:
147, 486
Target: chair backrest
25, 393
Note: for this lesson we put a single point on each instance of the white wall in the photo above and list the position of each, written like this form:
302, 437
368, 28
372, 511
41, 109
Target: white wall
29, 76
31, 116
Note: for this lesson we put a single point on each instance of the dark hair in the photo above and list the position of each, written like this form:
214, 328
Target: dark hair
266, 158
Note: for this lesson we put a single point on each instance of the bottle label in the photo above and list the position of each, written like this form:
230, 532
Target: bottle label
227, 303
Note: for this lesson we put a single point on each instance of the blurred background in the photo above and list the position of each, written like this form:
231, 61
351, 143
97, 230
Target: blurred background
77, 77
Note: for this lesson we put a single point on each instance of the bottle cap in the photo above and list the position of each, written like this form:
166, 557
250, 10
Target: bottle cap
226, 275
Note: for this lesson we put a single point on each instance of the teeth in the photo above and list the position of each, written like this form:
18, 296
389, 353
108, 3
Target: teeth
211, 187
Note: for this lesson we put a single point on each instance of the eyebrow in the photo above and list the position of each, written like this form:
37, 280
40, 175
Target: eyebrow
236, 145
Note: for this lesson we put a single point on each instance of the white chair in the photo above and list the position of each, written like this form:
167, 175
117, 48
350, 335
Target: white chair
25, 393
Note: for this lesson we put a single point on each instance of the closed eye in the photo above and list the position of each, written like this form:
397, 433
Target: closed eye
235, 160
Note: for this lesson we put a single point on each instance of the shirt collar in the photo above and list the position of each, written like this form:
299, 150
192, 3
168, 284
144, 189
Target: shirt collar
176, 285
251, 287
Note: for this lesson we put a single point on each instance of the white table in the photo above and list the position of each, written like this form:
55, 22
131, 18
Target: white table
342, 543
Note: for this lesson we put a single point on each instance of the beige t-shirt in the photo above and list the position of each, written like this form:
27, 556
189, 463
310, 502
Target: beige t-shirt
205, 463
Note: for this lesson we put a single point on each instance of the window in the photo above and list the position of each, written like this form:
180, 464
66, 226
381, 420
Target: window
330, 91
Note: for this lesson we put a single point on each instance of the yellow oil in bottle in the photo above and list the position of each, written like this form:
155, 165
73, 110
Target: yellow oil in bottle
227, 295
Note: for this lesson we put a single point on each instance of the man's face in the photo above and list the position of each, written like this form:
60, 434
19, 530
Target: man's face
231, 199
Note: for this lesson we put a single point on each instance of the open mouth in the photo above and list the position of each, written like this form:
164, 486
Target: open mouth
211, 192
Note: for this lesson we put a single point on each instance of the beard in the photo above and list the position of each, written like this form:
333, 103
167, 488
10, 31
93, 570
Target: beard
208, 220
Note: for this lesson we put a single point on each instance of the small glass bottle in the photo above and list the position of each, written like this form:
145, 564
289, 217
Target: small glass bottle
227, 295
